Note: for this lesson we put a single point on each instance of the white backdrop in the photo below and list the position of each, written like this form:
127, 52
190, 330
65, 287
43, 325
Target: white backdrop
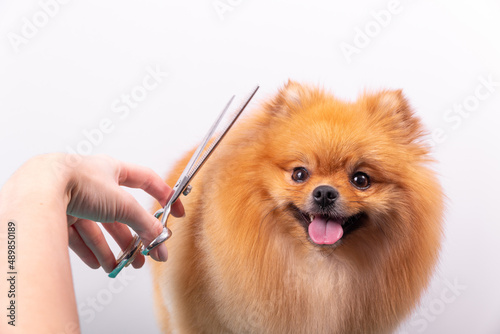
143, 80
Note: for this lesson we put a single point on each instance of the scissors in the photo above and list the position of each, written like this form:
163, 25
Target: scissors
182, 186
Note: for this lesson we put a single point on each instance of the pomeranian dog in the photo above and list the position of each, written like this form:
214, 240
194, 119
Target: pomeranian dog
313, 215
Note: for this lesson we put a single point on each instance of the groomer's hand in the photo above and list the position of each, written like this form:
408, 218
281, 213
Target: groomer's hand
95, 195
55, 200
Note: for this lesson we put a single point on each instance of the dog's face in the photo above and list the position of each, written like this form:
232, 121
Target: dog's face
339, 170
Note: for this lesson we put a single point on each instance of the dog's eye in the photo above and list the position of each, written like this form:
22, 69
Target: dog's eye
300, 174
360, 180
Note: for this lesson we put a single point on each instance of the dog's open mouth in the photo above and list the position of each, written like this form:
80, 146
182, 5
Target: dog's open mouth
328, 230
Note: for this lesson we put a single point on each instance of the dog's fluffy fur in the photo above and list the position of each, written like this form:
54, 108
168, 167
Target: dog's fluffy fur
243, 259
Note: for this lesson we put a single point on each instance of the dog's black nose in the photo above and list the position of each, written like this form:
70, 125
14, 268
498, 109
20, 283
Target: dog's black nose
325, 195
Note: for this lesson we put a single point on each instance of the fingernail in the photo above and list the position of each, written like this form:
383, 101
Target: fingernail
162, 252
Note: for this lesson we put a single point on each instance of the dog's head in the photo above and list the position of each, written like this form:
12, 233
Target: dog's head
334, 169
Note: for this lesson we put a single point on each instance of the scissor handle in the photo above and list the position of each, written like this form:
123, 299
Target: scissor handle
128, 255
164, 235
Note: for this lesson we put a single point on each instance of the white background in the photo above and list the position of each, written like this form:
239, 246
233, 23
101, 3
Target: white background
65, 77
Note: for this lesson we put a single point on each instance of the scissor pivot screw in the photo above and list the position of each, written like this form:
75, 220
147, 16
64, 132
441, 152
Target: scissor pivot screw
187, 190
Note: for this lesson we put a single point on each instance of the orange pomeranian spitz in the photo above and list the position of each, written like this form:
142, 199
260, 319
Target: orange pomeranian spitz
313, 215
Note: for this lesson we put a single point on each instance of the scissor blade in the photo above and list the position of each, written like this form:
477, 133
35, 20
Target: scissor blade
205, 140
216, 141
185, 177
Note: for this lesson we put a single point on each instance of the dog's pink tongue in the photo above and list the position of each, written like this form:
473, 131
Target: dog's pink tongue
325, 232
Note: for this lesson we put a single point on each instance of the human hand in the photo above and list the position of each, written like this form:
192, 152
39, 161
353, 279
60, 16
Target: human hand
95, 195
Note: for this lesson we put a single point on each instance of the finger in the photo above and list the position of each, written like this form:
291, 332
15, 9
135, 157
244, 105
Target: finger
130, 212
135, 176
93, 237
78, 246
177, 208
71, 220
123, 237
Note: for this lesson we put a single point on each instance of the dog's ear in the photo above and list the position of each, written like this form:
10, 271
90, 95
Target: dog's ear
292, 92
290, 97
390, 107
